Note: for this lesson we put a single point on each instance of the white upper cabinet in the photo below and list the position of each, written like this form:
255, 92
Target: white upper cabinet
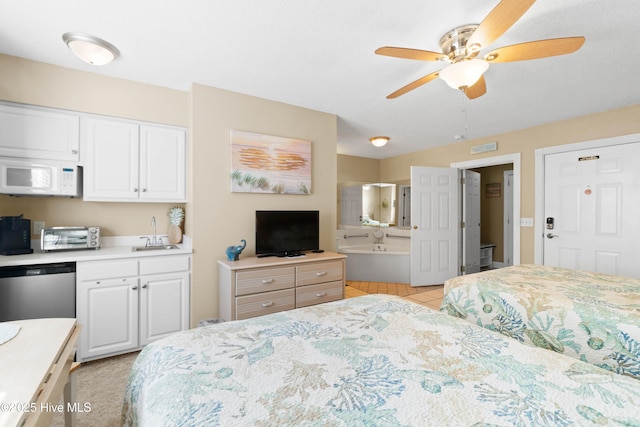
130, 161
162, 163
39, 133
111, 159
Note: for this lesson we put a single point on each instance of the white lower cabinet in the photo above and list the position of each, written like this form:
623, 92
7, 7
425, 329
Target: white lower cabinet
124, 304
163, 305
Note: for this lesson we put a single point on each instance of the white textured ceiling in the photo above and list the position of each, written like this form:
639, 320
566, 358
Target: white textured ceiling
319, 54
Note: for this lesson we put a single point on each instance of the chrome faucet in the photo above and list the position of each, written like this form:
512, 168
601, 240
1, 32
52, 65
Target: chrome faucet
153, 240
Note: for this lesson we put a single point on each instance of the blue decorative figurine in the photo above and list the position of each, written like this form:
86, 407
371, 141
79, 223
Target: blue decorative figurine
233, 252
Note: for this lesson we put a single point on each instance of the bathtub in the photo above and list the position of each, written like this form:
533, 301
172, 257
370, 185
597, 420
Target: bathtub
378, 263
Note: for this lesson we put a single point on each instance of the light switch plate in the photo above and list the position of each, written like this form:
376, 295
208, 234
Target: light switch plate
37, 227
526, 222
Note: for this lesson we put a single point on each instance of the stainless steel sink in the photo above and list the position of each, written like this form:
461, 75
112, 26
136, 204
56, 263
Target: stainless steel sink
155, 248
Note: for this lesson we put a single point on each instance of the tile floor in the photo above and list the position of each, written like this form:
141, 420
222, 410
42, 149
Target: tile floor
429, 296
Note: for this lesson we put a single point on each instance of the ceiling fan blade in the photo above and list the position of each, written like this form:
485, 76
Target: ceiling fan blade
535, 50
499, 20
413, 85
406, 53
478, 89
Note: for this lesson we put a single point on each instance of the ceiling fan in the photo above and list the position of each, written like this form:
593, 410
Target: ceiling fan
462, 45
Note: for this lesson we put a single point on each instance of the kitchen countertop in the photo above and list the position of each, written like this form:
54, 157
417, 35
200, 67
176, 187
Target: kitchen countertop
111, 248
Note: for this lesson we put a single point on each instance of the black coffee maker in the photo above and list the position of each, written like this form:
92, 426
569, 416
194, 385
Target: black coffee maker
15, 235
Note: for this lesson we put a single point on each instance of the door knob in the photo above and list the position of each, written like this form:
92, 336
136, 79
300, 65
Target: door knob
415, 227
551, 236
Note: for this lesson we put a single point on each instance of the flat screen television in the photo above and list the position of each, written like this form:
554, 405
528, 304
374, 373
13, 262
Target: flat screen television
287, 233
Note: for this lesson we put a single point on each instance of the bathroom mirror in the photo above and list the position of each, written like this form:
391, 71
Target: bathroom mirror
371, 204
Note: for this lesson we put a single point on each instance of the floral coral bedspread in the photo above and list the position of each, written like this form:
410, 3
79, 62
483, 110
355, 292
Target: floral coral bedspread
374, 360
591, 316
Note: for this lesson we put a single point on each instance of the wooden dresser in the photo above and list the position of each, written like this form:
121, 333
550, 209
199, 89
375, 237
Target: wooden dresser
255, 286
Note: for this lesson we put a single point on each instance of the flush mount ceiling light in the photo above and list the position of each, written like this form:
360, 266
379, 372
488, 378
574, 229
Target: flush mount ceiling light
91, 49
379, 141
464, 74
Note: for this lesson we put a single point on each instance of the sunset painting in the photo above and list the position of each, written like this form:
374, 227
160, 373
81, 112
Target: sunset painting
269, 164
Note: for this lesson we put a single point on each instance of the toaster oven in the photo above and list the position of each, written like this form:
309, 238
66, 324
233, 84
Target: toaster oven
69, 238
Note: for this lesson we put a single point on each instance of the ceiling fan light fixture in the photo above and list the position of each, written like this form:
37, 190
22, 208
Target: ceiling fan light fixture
379, 141
464, 74
91, 49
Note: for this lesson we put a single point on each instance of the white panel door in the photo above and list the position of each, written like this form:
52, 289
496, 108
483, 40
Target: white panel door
351, 205
435, 217
404, 206
592, 209
508, 219
471, 214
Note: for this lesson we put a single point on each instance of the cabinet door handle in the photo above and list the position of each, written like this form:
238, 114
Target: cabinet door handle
144, 190
134, 287
267, 304
267, 281
135, 190
321, 294
144, 286
321, 273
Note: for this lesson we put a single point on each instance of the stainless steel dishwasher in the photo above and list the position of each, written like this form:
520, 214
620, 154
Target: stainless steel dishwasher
38, 291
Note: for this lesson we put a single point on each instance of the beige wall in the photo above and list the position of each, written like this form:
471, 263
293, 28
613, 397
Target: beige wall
354, 170
618, 122
47, 85
219, 218
215, 217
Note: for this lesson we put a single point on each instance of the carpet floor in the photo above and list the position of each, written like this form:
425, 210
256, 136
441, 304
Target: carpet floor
100, 385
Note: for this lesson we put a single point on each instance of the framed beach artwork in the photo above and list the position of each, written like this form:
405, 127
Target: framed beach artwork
269, 164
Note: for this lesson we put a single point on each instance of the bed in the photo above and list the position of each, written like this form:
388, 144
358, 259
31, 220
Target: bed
374, 360
590, 316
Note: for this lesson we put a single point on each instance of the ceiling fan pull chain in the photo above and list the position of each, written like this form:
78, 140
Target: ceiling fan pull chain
465, 100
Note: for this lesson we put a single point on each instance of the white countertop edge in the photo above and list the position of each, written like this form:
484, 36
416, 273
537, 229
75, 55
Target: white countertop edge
112, 247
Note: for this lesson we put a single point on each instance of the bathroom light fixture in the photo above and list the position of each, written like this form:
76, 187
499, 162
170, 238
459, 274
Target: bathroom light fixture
91, 49
464, 74
379, 141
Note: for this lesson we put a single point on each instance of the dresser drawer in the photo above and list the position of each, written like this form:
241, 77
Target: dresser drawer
264, 303
264, 280
320, 272
316, 294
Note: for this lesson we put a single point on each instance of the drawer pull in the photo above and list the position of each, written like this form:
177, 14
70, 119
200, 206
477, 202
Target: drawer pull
267, 304
321, 294
267, 281
321, 273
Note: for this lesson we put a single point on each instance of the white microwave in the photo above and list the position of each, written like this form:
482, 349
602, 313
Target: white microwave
26, 177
